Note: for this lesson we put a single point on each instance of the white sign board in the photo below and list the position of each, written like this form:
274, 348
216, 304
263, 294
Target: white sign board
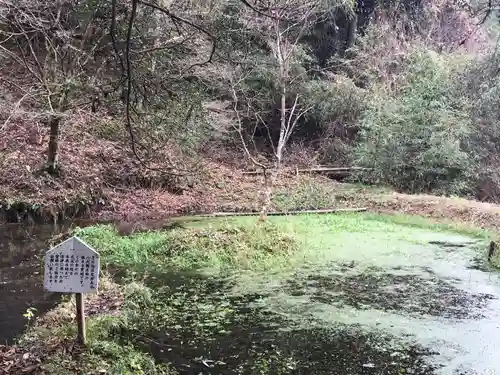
71, 267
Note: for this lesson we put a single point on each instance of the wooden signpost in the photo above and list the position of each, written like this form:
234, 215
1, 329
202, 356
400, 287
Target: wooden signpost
73, 267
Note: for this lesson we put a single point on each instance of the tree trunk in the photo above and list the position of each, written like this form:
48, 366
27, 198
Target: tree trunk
52, 165
269, 182
352, 31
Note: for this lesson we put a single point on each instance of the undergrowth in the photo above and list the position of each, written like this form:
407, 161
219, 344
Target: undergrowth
225, 246
416, 139
106, 352
306, 196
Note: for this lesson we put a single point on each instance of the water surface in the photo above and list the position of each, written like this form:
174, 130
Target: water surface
366, 297
21, 286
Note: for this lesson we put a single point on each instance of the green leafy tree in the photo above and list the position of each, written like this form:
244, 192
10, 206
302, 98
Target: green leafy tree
418, 139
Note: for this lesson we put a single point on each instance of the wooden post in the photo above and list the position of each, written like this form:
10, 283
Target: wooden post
80, 319
492, 250
85, 279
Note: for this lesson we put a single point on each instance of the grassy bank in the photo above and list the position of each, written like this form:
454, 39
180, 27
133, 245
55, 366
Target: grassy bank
216, 244
163, 276
181, 294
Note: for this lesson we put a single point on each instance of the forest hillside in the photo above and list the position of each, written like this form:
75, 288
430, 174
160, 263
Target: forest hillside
126, 106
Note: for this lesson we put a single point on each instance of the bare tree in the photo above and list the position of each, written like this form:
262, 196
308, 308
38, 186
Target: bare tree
165, 42
56, 43
146, 51
282, 29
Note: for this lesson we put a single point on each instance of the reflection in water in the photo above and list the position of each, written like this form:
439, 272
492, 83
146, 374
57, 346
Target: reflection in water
21, 275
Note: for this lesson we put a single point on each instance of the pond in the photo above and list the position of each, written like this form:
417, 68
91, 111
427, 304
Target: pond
21, 287
366, 296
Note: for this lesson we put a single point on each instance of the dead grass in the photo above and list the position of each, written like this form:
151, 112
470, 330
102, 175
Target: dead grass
472, 213
383, 200
89, 164
100, 172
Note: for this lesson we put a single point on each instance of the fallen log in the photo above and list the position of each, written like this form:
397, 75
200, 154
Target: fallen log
312, 170
333, 169
284, 213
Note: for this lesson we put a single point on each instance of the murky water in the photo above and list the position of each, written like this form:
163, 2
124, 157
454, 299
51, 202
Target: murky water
399, 301
239, 334
420, 293
374, 301
21, 249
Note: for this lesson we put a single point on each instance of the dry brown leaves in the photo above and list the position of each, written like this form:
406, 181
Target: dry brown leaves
478, 214
92, 166
109, 304
14, 360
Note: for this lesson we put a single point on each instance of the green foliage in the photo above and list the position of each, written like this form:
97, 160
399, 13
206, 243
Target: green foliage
232, 32
181, 120
260, 83
308, 195
108, 352
481, 86
232, 245
417, 139
337, 104
29, 315
148, 311
336, 99
223, 246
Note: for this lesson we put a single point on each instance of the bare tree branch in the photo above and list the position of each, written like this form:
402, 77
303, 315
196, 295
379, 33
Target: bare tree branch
14, 110
283, 33
112, 31
258, 11
187, 22
239, 130
129, 79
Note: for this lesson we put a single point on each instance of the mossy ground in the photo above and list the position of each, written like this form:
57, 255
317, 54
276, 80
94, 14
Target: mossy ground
185, 296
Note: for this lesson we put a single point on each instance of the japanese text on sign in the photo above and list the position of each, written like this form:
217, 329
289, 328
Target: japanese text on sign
72, 267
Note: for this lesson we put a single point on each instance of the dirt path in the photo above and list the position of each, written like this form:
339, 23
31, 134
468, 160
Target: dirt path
478, 214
